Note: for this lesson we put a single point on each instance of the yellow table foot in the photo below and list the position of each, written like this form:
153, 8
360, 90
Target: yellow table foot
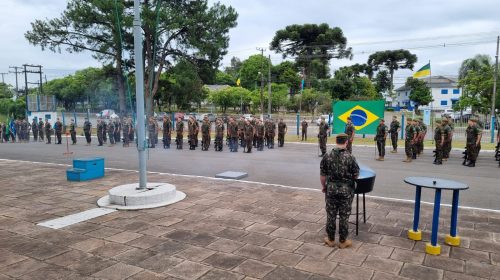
452, 240
432, 250
415, 235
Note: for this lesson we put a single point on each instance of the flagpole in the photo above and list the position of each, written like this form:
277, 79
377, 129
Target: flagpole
432, 102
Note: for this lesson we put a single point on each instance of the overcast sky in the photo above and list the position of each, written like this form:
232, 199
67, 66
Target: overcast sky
464, 27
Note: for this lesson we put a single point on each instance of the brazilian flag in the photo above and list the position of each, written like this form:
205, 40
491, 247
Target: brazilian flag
365, 115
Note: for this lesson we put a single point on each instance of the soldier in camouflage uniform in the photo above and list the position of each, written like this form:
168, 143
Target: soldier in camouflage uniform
117, 133
167, 132
282, 130
219, 135
423, 132
58, 131
380, 138
304, 126
350, 131
473, 135
439, 140
272, 133
151, 132
26, 128
132, 129
100, 131
34, 128
205, 134
394, 130
87, 126
72, 132
48, 131
249, 132
111, 133
104, 132
40, 130
323, 136
233, 132
417, 129
266, 133
191, 133
410, 136
179, 133
448, 136
126, 131
241, 131
260, 135
338, 172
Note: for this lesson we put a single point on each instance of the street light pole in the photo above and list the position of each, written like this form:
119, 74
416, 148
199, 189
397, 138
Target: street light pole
139, 96
493, 95
261, 84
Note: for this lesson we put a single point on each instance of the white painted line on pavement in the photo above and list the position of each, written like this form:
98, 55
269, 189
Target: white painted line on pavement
76, 218
261, 183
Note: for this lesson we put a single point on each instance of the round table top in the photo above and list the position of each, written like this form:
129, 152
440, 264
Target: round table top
435, 183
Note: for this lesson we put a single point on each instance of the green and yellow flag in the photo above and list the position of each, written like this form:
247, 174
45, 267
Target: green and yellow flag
365, 115
238, 82
424, 71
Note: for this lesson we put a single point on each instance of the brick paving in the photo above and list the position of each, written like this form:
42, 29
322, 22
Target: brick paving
222, 230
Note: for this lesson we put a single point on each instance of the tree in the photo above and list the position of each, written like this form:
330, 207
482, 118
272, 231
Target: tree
382, 82
392, 60
420, 93
229, 97
477, 87
88, 26
347, 84
6, 91
476, 63
311, 42
287, 73
223, 78
250, 71
234, 68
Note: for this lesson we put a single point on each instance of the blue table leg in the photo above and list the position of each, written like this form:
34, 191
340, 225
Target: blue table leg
416, 234
452, 239
433, 248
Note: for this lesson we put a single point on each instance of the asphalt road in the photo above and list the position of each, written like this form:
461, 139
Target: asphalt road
294, 165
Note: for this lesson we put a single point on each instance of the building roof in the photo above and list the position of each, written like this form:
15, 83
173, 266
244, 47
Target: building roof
436, 82
216, 87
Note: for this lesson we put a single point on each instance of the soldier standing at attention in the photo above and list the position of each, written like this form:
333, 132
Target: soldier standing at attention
87, 127
423, 132
219, 135
167, 132
338, 172
350, 131
249, 132
241, 131
260, 135
266, 133
34, 128
41, 129
27, 128
282, 129
473, 134
394, 130
111, 133
448, 140
418, 134
131, 131
322, 136
439, 140
205, 134
234, 134
48, 129
104, 132
272, 133
72, 132
380, 137
179, 129
117, 134
126, 132
58, 130
304, 125
99, 132
151, 132
410, 136
191, 133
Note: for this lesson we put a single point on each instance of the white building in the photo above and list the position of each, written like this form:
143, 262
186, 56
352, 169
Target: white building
445, 93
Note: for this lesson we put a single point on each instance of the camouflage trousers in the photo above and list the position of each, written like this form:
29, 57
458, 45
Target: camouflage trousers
394, 140
349, 146
446, 149
472, 151
381, 147
281, 139
205, 142
338, 200
439, 152
322, 143
408, 148
73, 137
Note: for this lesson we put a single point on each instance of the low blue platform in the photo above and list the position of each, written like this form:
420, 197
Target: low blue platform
85, 169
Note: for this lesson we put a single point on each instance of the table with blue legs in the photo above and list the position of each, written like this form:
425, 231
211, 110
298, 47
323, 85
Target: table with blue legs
437, 184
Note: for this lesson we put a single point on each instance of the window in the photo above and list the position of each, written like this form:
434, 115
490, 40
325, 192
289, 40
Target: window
456, 91
444, 91
444, 102
406, 93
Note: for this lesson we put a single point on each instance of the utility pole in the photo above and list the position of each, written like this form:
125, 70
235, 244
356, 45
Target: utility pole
269, 88
261, 83
492, 124
3, 74
16, 71
27, 70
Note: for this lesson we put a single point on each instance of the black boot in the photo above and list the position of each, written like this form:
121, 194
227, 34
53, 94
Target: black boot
472, 163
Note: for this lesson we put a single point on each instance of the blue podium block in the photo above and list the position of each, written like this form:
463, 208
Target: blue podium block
85, 169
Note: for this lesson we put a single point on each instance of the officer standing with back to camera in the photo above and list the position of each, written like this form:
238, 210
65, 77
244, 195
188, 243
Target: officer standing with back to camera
473, 136
439, 140
282, 130
380, 138
111, 133
41, 130
394, 130
304, 126
323, 135
48, 131
58, 130
338, 172
34, 128
87, 127
350, 131
72, 132
409, 138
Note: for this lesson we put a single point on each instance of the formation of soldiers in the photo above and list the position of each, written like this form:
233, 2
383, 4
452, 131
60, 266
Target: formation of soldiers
19, 131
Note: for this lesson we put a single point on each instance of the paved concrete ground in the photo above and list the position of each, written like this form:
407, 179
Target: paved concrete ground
222, 230
294, 165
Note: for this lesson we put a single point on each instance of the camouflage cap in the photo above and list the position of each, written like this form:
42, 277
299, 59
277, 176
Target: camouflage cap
438, 121
409, 119
341, 136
